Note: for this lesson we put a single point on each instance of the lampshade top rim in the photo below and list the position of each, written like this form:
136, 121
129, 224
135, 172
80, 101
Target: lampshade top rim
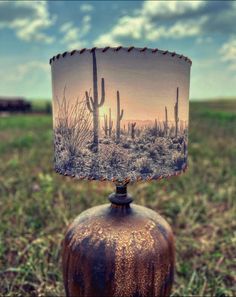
117, 49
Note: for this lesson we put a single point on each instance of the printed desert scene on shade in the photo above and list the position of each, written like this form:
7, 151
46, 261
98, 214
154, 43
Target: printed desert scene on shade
112, 126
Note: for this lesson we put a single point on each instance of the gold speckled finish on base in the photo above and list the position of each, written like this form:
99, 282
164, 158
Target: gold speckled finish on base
120, 251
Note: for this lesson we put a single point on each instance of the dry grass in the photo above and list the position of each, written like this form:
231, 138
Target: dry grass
72, 124
36, 205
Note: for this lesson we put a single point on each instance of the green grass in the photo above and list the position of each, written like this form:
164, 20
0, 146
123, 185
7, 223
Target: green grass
36, 205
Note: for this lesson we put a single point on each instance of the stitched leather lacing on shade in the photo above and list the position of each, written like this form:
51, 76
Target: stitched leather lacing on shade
116, 49
125, 180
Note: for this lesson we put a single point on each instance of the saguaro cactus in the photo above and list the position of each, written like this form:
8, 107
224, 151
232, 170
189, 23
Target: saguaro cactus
133, 129
119, 117
105, 127
108, 124
166, 122
155, 128
176, 112
93, 104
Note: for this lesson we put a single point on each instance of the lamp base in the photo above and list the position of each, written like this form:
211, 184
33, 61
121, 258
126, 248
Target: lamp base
118, 250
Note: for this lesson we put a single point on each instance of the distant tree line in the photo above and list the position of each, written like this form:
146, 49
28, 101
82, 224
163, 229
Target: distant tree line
21, 105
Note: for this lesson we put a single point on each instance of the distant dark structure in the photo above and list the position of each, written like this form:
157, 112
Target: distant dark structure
14, 104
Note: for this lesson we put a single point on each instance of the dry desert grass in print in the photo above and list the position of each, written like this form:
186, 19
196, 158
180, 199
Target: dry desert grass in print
97, 146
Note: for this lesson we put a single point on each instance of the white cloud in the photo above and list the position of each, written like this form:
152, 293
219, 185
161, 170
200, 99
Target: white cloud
143, 25
106, 40
169, 8
178, 30
73, 36
172, 19
138, 28
24, 69
204, 40
71, 33
86, 7
127, 26
66, 26
27, 19
21, 71
184, 29
228, 52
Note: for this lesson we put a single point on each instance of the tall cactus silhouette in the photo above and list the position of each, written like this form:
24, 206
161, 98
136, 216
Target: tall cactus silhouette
105, 127
133, 129
166, 122
118, 117
110, 124
155, 128
129, 128
92, 102
176, 112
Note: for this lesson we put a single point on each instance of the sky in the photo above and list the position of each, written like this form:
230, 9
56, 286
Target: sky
32, 32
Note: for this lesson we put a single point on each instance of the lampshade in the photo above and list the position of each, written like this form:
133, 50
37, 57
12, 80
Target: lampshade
120, 114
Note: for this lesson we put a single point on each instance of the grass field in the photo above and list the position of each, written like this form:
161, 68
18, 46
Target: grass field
36, 205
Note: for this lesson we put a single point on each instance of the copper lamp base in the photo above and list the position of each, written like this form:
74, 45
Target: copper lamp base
118, 250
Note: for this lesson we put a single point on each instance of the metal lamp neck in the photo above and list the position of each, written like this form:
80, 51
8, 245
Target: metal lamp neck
120, 196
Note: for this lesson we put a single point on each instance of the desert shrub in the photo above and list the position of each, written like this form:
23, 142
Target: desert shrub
139, 140
113, 157
180, 139
144, 165
155, 132
68, 164
141, 146
175, 140
153, 152
172, 131
94, 170
162, 145
179, 160
73, 122
105, 141
126, 145
179, 147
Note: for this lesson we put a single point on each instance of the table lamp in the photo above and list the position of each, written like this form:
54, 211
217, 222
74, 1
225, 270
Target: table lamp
119, 114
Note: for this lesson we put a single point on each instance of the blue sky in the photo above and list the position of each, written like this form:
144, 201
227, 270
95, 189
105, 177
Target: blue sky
32, 32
